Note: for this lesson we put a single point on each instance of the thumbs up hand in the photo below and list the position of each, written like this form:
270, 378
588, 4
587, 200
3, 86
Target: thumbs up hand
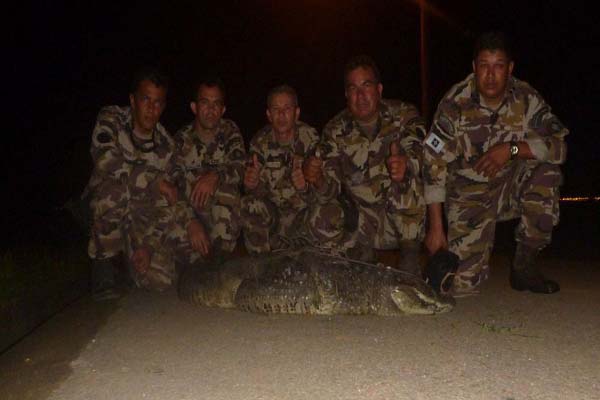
252, 173
397, 162
297, 175
313, 170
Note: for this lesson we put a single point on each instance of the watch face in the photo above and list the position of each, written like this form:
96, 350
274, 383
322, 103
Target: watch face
514, 150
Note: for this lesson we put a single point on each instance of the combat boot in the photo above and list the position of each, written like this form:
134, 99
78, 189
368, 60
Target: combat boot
220, 256
361, 253
123, 273
524, 275
103, 280
217, 255
440, 271
409, 257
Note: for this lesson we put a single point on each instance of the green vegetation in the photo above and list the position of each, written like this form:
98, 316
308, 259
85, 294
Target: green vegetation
504, 329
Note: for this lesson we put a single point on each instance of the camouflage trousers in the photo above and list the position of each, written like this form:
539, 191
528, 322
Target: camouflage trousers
109, 209
267, 226
529, 190
162, 231
382, 225
221, 217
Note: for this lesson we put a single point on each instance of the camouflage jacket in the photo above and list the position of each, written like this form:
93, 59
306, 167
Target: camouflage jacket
123, 159
358, 162
464, 129
275, 182
225, 155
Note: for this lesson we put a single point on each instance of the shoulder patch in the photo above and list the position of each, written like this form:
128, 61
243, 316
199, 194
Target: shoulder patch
435, 142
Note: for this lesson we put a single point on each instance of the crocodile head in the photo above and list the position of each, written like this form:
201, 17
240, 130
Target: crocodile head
412, 301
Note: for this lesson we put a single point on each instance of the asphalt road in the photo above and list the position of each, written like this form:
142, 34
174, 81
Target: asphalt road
500, 345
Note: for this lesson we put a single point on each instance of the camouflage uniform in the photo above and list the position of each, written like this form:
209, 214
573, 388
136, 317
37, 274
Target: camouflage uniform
387, 211
275, 208
462, 131
226, 156
108, 187
129, 212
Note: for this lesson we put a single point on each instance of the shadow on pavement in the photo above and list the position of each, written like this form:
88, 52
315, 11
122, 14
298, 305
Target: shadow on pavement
33, 367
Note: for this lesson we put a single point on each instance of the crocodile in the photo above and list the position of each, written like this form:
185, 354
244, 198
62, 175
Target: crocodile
309, 281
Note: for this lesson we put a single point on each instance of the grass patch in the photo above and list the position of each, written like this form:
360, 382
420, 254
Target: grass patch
504, 329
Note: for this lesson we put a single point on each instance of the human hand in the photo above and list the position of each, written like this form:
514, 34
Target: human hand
204, 188
140, 259
313, 170
435, 239
396, 163
252, 173
168, 190
493, 160
298, 175
198, 237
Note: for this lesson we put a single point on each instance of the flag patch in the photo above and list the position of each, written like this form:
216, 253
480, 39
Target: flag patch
435, 142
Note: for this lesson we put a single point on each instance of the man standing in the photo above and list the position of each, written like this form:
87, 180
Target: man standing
135, 207
372, 151
493, 154
276, 204
210, 160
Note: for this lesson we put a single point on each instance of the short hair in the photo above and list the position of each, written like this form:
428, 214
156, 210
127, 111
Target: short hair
152, 74
282, 89
208, 81
493, 41
361, 61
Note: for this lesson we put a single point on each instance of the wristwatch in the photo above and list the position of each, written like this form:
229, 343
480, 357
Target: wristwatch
514, 149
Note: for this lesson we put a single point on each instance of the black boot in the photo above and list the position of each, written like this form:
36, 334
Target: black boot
103, 280
361, 253
524, 275
123, 273
409, 257
440, 271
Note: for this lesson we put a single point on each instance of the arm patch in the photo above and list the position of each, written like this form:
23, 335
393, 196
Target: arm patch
435, 142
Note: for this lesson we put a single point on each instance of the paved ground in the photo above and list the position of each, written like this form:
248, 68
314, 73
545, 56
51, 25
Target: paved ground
499, 345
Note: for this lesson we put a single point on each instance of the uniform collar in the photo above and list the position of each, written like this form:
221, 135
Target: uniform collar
218, 129
474, 94
294, 139
384, 117
144, 145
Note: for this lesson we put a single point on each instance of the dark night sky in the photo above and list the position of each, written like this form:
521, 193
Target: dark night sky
64, 62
